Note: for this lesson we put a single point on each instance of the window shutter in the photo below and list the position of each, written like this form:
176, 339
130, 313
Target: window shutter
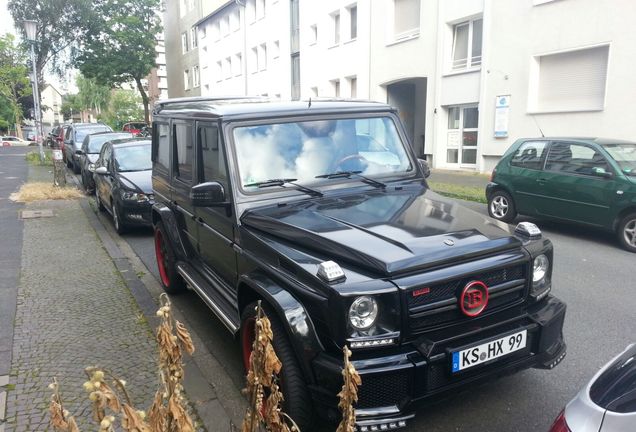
573, 80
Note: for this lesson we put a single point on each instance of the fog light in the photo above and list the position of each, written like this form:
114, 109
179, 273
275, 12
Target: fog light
372, 343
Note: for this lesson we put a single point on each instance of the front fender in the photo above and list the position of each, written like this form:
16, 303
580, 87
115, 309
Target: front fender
300, 328
161, 212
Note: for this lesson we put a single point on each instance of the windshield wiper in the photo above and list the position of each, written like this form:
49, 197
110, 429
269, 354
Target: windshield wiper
282, 182
348, 174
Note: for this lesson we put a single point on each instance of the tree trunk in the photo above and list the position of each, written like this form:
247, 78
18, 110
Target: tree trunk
144, 98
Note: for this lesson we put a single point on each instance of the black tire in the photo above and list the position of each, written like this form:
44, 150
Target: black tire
100, 205
171, 281
118, 223
626, 232
501, 206
297, 403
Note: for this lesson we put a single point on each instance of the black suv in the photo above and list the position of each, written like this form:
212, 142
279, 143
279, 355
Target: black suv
321, 210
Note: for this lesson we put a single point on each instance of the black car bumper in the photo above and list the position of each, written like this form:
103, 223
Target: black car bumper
134, 213
395, 383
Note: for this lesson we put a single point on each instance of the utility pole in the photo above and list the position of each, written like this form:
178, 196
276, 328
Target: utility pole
30, 28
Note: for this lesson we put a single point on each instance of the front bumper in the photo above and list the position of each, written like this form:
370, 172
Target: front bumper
490, 188
396, 381
135, 213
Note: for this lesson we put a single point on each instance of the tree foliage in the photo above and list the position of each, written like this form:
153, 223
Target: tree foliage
61, 25
70, 104
14, 77
92, 95
124, 106
120, 46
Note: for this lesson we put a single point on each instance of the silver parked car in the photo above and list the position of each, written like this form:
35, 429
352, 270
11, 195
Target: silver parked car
607, 403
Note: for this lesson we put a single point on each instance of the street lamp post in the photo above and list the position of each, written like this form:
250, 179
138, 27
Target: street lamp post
30, 28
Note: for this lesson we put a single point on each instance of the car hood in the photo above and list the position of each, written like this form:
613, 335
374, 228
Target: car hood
384, 232
140, 179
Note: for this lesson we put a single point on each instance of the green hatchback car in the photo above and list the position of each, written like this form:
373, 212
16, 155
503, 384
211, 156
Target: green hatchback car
590, 181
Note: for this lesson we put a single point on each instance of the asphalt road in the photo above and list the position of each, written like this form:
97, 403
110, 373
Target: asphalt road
592, 275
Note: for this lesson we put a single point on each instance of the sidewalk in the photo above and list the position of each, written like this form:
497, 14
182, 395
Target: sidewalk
79, 304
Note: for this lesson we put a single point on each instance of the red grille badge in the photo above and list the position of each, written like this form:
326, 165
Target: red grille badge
474, 298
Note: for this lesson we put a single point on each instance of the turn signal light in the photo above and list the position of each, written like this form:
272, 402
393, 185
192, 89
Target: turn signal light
560, 425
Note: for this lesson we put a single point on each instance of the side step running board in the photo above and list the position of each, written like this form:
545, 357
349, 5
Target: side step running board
195, 282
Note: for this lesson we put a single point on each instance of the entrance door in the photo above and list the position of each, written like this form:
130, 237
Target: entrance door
461, 144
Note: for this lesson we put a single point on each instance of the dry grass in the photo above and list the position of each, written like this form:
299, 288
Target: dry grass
40, 191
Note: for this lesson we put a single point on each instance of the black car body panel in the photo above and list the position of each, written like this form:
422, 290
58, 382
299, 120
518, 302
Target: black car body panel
413, 251
90, 154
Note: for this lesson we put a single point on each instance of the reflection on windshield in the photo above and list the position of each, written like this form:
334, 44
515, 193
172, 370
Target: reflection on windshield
80, 134
304, 150
134, 158
625, 155
95, 144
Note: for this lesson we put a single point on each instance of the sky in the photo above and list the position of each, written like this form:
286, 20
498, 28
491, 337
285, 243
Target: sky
6, 22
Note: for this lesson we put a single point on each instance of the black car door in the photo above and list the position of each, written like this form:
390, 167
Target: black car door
106, 180
216, 224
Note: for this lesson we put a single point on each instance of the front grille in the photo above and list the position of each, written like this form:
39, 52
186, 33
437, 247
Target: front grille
425, 314
384, 389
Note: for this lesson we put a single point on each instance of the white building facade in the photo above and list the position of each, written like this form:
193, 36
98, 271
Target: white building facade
51, 107
468, 77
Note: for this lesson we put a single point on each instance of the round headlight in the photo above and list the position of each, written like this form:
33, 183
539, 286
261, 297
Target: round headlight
363, 312
540, 268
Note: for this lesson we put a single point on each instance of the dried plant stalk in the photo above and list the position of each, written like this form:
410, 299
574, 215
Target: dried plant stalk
168, 412
263, 391
349, 394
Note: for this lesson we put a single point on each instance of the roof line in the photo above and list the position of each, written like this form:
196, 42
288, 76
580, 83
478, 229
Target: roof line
214, 12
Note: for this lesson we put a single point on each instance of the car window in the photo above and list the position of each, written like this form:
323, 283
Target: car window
212, 155
81, 133
105, 157
625, 156
133, 158
182, 136
161, 140
575, 159
95, 142
530, 155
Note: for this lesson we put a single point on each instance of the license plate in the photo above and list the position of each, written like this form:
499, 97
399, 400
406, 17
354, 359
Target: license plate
473, 356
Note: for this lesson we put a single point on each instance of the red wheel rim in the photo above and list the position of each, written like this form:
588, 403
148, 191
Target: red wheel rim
160, 251
247, 340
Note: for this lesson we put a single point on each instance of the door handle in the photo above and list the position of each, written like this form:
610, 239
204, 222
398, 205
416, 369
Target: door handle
541, 181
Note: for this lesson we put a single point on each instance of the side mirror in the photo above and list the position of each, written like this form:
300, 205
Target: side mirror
425, 168
601, 172
209, 194
79, 152
101, 170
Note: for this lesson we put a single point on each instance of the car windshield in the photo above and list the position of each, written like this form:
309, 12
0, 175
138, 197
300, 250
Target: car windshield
96, 142
133, 158
625, 155
303, 150
81, 133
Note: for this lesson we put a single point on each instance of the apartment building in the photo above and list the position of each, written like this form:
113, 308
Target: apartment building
467, 76
51, 107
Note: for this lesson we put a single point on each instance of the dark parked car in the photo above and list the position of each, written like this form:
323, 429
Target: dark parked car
123, 182
322, 211
591, 181
91, 146
51, 140
607, 403
73, 139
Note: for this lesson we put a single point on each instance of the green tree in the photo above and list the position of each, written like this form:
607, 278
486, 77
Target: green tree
14, 77
124, 106
70, 104
61, 25
92, 95
7, 116
120, 46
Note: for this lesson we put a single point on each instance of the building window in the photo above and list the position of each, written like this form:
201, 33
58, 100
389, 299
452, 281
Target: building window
186, 79
218, 71
260, 9
237, 64
203, 31
276, 49
313, 34
216, 31
225, 25
295, 76
353, 22
227, 68
467, 44
254, 60
184, 42
262, 57
353, 87
461, 144
193, 38
406, 18
571, 81
335, 20
196, 78
314, 91
182, 8
335, 85
235, 24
